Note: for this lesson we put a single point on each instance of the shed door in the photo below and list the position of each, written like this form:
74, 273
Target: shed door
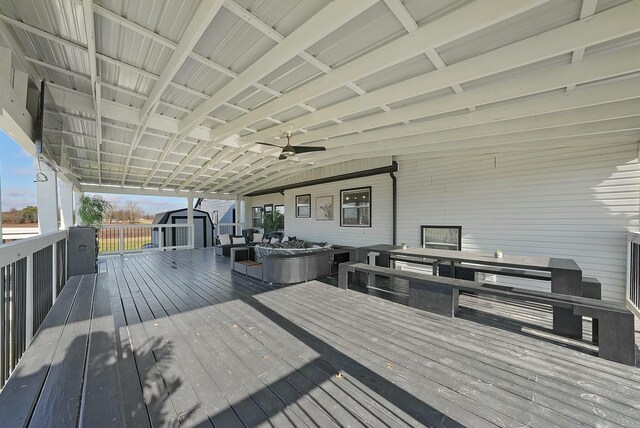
180, 234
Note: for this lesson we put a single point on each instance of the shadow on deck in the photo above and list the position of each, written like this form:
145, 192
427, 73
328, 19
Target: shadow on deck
175, 338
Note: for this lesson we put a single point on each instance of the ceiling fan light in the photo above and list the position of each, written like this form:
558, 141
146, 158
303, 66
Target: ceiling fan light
288, 152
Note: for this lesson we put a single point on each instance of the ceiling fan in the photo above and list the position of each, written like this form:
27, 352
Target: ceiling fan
289, 150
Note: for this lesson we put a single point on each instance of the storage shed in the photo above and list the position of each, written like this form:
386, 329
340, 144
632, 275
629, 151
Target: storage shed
178, 236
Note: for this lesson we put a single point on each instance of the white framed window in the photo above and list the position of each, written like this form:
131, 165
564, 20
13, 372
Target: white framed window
355, 207
256, 216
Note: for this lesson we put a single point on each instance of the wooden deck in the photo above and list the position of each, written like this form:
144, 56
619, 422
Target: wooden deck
174, 338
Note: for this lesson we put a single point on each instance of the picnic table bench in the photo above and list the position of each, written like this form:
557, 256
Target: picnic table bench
439, 294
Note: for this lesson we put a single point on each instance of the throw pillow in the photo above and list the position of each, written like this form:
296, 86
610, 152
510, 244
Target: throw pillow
225, 240
274, 240
257, 237
285, 238
238, 240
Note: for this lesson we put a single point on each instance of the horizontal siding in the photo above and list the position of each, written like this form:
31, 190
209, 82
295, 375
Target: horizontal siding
222, 206
569, 202
331, 231
260, 201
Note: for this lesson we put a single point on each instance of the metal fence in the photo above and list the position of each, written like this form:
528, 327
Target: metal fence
131, 238
32, 273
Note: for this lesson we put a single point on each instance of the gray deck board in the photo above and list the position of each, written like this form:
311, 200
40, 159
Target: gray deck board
17, 403
175, 338
101, 403
59, 401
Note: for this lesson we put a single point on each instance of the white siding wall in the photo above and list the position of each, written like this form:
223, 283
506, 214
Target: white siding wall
330, 231
261, 201
574, 203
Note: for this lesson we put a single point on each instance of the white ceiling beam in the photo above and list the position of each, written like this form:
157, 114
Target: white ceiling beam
247, 172
141, 191
608, 25
241, 160
270, 32
535, 114
536, 82
198, 24
220, 156
87, 8
77, 100
402, 14
588, 9
114, 17
574, 136
321, 24
465, 149
318, 26
448, 28
169, 146
466, 20
109, 60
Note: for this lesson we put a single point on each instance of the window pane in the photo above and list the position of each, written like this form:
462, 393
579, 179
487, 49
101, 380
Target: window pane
356, 207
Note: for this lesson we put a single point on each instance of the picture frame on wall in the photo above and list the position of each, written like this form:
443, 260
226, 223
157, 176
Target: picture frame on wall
355, 207
303, 206
324, 208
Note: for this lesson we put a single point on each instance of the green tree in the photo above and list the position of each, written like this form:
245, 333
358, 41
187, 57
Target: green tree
272, 222
93, 210
29, 214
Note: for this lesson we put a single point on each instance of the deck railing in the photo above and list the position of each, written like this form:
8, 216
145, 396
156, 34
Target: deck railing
633, 272
32, 274
131, 238
10, 234
227, 229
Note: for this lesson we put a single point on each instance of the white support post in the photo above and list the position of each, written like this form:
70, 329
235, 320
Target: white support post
121, 240
66, 205
29, 303
161, 232
76, 200
1, 240
239, 216
192, 232
47, 197
54, 272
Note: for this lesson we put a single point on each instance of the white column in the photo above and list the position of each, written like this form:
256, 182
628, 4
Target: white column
66, 205
47, 197
76, 200
192, 232
1, 211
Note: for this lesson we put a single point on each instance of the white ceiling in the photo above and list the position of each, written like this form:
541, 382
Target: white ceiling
171, 95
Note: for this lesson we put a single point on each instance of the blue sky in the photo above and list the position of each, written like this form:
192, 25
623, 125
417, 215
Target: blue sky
19, 190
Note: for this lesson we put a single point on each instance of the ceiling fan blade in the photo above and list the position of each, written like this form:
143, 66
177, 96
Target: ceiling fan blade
307, 149
282, 157
267, 144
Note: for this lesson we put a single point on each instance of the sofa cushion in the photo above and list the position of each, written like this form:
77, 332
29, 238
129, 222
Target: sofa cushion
257, 237
225, 240
274, 240
238, 240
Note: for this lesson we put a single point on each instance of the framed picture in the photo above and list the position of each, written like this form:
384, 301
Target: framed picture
303, 206
355, 207
268, 209
324, 208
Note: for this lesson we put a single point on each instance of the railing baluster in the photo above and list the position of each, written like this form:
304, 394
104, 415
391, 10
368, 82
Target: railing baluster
54, 272
29, 299
632, 292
